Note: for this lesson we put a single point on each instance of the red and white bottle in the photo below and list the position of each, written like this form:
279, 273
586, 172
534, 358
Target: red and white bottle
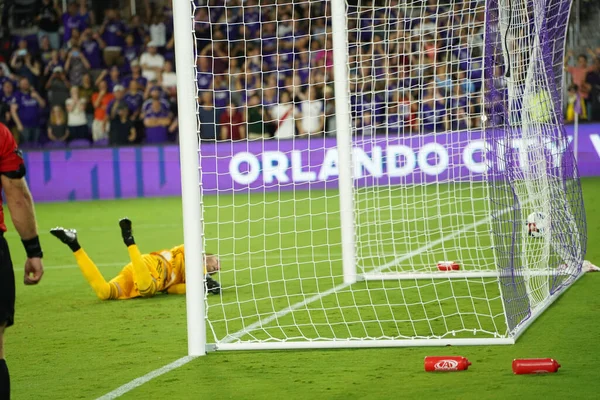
535, 366
446, 364
448, 266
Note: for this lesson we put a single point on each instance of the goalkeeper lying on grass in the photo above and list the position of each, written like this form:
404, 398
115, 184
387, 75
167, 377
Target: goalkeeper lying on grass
145, 275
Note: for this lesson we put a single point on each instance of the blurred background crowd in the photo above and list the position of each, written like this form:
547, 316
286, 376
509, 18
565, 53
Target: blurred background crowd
84, 73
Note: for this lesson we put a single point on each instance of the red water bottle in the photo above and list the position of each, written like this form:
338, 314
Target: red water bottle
446, 364
448, 266
535, 366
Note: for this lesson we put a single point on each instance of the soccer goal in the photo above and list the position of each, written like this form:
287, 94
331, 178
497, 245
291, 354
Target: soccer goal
374, 173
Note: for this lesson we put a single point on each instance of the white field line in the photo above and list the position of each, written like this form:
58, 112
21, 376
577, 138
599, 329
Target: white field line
265, 321
120, 391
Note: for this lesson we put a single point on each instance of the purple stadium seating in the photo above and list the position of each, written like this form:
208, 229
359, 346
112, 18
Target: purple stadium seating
79, 143
55, 145
101, 143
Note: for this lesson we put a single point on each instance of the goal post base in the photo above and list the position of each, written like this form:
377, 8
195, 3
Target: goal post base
386, 276
541, 308
353, 344
383, 276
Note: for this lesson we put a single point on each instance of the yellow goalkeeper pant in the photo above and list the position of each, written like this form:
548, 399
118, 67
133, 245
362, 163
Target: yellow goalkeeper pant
133, 281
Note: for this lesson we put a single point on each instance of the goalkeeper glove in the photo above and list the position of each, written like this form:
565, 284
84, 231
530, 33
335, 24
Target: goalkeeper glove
212, 286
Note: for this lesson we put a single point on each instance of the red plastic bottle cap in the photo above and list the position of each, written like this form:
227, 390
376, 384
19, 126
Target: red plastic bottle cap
448, 266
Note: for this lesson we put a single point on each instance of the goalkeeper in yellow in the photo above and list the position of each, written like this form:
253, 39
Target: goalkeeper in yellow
145, 275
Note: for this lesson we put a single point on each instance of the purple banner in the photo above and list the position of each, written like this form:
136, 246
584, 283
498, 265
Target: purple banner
112, 173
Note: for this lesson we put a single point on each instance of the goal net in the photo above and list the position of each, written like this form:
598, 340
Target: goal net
378, 173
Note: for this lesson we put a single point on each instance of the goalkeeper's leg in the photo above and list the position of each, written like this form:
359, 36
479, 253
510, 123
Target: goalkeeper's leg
141, 274
103, 289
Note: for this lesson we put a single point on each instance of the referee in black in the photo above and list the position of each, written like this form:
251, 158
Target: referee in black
20, 205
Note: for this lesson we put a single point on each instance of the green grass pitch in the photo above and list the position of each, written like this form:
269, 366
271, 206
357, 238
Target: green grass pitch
68, 345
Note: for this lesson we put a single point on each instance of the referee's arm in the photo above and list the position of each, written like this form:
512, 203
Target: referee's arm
20, 204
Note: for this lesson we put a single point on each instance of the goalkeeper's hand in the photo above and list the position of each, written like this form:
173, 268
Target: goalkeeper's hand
212, 286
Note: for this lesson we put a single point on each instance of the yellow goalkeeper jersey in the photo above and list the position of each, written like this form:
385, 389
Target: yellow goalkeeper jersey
170, 267
167, 268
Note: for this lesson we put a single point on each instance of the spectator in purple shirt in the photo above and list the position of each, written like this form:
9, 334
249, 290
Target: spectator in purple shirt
253, 61
169, 51
85, 14
302, 67
458, 99
113, 32
157, 121
252, 17
282, 70
155, 93
136, 75
300, 37
131, 52
134, 99
221, 92
112, 77
217, 54
432, 116
204, 75
26, 110
270, 97
365, 125
252, 84
459, 120
92, 46
72, 20
269, 38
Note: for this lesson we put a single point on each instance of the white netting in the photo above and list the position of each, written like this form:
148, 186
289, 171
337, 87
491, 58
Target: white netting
542, 173
270, 171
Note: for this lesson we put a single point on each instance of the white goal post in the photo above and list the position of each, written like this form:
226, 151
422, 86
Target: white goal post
190, 192
337, 155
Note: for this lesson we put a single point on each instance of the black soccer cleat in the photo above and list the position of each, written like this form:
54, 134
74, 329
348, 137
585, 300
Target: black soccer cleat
212, 286
67, 236
126, 231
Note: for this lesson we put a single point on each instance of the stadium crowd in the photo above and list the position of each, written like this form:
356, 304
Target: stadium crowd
262, 71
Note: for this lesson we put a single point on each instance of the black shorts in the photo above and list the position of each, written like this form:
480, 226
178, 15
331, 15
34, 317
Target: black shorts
7, 285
